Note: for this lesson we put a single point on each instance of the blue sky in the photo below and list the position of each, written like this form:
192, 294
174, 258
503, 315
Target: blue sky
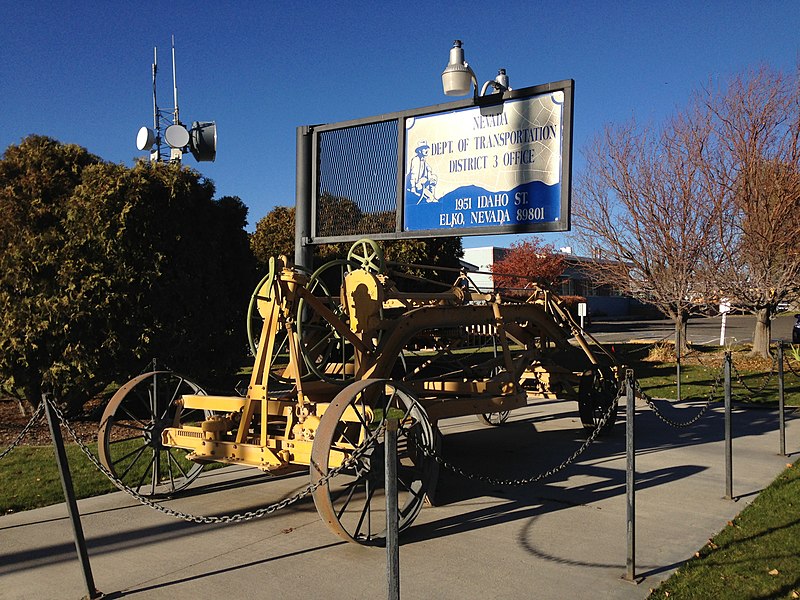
80, 71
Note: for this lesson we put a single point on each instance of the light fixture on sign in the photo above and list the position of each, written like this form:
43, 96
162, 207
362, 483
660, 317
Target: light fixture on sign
458, 77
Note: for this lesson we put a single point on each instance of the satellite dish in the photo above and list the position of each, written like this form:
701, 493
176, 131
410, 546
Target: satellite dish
203, 144
145, 138
177, 136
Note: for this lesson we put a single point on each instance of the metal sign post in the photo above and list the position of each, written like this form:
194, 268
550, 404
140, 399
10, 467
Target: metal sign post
69, 496
392, 524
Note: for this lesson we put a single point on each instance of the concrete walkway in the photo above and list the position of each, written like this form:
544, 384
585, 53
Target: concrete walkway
562, 538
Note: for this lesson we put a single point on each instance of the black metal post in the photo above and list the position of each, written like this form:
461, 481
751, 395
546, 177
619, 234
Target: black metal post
678, 342
303, 204
69, 496
781, 399
728, 428
392, 522
630, 479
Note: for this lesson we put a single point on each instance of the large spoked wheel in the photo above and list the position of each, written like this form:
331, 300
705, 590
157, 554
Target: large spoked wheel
597, 395
366, 254
129, 439
326, 353
255, 320
353, 503
279, 362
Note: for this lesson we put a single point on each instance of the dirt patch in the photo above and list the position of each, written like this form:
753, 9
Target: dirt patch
13, 421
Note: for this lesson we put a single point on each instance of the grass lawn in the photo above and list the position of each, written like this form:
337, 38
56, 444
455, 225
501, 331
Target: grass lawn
30, 477
756, 556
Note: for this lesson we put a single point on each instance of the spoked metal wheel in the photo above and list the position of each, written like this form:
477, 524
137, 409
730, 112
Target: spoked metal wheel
353, 503
129, 439
327, 354
597, 395
279, 362
366, 254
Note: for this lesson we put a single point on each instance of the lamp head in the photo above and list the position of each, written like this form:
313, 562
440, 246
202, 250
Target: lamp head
457, 77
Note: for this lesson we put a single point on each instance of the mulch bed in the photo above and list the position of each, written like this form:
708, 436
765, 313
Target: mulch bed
12, 422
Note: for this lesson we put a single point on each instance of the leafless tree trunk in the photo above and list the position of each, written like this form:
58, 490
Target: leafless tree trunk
641, 212
753, 173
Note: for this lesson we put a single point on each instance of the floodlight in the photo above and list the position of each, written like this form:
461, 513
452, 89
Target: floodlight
458, 77
203, 141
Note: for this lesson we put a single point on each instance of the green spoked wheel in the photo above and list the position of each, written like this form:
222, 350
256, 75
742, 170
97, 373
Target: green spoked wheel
366, 254
326, 352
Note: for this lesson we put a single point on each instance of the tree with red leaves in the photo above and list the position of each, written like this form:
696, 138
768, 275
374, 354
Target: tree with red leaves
528, 262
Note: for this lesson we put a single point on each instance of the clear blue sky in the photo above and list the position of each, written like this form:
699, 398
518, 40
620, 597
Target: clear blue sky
80, 71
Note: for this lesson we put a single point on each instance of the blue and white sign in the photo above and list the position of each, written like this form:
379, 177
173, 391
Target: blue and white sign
486, 167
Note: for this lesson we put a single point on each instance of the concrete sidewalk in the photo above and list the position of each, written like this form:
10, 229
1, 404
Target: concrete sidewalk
562, 538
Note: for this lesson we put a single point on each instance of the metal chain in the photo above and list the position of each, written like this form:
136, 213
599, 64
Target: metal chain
693, 420
788, 363
766, 381
37, 415
234, 518
431, 453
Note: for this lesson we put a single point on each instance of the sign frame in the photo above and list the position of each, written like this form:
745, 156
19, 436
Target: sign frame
310, 158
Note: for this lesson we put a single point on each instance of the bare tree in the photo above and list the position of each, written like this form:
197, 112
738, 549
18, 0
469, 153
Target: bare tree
641, 211
754, 173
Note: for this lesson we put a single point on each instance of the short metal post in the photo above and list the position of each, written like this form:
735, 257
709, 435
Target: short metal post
678, 342
728, 437
69, 496
630, 479
392, 533
781, 399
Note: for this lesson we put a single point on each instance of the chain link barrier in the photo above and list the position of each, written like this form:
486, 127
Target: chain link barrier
37, 415
764, 383
231, 518
651, 403
539, 476
788, 362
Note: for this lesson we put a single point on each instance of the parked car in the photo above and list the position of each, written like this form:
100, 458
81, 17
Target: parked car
796, 330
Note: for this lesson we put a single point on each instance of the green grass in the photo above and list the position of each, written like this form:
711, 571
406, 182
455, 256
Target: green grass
756, 556
702, 375
30, 477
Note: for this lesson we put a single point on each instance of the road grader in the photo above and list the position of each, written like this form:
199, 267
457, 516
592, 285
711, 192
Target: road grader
337, 352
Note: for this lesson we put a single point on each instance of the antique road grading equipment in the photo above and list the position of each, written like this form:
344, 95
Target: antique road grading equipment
338, 351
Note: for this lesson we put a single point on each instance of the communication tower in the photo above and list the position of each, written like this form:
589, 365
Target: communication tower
169, 138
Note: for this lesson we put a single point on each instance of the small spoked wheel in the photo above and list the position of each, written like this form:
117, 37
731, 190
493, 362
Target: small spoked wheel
353, 502
597, 396
494, 419
129, 439
366, 254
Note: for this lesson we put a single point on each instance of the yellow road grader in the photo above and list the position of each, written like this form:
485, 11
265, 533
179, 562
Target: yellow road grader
337, 352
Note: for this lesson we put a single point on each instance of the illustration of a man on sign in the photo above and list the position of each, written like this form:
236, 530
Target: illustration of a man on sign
420, 180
